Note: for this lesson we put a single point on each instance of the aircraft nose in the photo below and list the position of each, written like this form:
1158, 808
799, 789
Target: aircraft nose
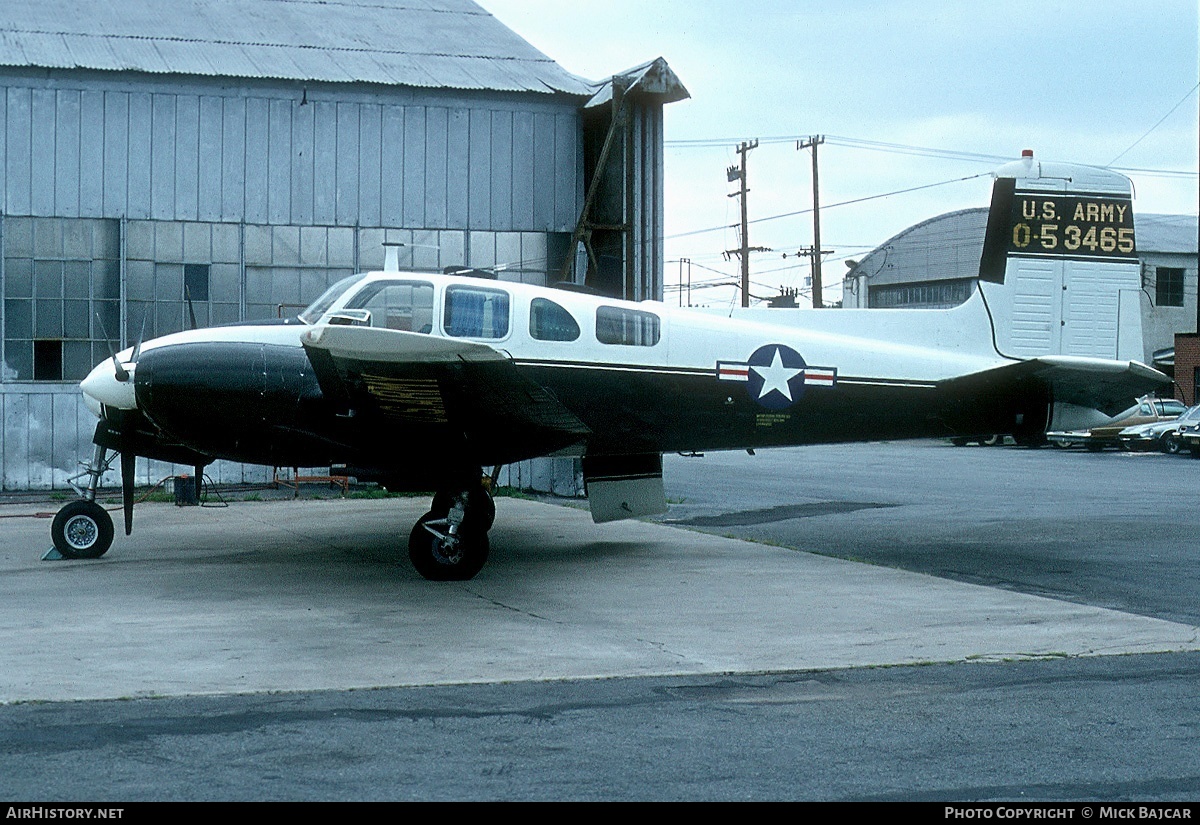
102, 387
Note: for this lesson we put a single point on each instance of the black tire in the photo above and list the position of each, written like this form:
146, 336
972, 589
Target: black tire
959, 442
1171, 445
437, 562
82, 530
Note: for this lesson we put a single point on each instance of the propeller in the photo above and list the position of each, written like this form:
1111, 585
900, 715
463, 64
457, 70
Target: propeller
127, 471
119, 370
137, 350
187, 294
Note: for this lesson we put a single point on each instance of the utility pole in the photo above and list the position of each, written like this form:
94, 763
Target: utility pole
685, 262
738, 173
814, 142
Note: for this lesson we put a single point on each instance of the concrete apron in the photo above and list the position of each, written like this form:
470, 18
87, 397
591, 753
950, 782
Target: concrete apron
311, 595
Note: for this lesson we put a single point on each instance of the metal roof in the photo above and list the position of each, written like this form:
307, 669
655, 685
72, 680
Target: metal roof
1166, 233
654, 78
452, 44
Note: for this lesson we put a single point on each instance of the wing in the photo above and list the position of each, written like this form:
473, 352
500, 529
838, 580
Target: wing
441, 388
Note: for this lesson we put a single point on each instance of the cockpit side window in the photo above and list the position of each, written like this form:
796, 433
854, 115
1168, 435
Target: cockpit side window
401, 305
320, 306
550, 322
474, 312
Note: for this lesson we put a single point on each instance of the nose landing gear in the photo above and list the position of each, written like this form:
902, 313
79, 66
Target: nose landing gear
83, 529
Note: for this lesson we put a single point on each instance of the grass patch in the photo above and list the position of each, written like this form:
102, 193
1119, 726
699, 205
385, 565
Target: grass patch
512, 492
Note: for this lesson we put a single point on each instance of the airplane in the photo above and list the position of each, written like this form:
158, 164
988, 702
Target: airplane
420, 380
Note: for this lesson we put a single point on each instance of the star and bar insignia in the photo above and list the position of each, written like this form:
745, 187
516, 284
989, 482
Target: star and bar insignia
776, 376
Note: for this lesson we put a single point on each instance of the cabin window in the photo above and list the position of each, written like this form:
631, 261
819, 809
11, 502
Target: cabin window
472, 312
550, 322
630, 327
406, 306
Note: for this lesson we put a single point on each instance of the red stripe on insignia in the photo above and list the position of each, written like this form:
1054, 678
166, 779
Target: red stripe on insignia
733, 372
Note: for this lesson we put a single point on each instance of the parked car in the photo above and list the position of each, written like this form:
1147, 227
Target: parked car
1189, 438
1158, 435
1147, 410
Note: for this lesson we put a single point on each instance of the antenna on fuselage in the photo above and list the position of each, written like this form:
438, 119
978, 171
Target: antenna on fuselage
391, 256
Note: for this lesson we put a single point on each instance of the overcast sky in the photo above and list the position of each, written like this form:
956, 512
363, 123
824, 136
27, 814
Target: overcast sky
1102, 82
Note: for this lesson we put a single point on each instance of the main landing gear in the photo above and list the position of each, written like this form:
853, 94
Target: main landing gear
450, 542
83, 529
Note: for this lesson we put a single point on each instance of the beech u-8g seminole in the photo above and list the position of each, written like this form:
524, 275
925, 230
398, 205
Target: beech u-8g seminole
422, 381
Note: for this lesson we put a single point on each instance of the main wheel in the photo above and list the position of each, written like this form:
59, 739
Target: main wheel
440, 558
1171, 445
82, 530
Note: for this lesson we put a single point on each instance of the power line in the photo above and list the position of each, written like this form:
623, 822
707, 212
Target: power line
832, 205
1156, 125
925, 151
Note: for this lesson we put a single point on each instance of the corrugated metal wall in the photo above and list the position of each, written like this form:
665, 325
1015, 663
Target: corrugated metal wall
95, 145
84, 147
647, 159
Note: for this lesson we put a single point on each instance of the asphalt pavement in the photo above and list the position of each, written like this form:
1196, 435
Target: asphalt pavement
301, 595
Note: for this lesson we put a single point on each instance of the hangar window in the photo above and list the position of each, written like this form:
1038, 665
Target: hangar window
628, 327
47, 361
476, 313
1168, 286
61, 291
195, 282
550, 322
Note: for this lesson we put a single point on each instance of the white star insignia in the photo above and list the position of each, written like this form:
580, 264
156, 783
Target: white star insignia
776, 377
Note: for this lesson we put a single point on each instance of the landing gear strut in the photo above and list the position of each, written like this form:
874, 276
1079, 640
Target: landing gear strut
83, 529
450, 543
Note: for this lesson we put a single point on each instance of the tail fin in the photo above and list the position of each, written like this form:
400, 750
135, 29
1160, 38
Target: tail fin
1059, 267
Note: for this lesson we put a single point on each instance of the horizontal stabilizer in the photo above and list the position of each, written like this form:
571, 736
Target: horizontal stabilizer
1093, 383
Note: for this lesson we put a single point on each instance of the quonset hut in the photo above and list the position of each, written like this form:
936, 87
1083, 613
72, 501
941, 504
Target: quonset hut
229, 159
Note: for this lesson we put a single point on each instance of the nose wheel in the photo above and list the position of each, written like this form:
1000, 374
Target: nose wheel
450, 542
82, 530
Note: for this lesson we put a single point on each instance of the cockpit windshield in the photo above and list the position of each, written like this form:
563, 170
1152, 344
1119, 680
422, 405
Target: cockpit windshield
320, 306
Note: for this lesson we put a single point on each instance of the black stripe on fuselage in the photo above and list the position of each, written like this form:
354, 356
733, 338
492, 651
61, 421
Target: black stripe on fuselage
261, 403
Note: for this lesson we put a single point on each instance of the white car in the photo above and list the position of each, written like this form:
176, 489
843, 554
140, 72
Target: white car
1161, 435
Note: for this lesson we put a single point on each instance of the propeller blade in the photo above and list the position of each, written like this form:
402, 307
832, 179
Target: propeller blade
137, 348
127, 471
187, 293
119, 370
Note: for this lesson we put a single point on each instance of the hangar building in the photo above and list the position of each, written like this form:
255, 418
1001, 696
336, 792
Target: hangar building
229, 159
934, 265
